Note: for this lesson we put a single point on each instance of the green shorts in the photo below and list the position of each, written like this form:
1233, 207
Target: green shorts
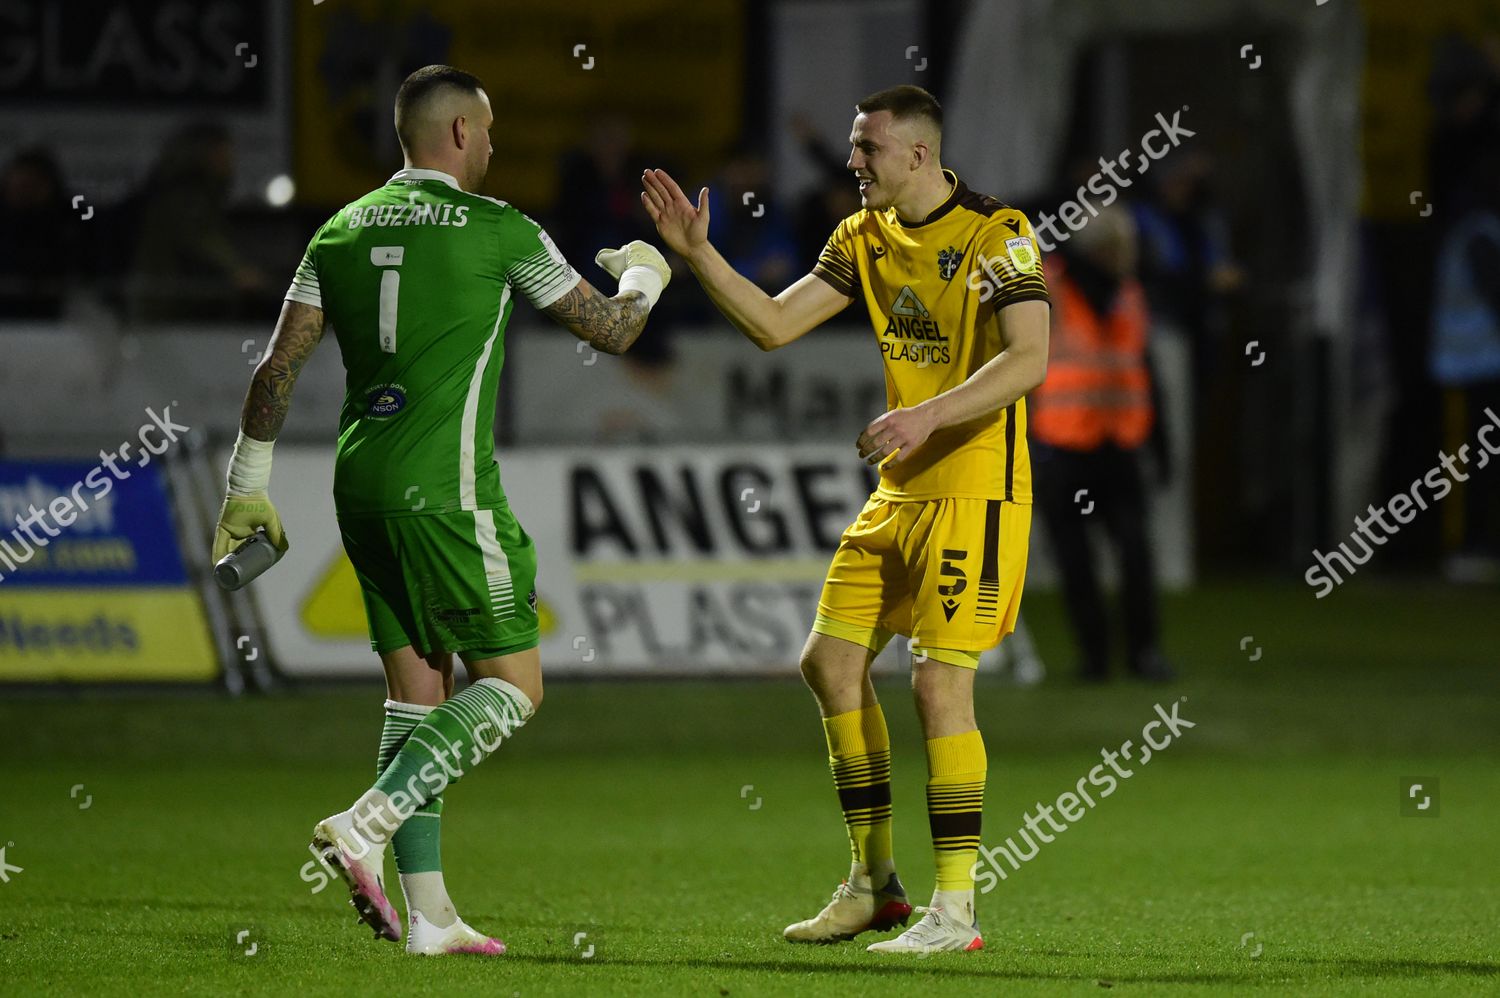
446, 582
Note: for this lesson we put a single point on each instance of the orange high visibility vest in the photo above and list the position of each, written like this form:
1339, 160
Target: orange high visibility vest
1097, 387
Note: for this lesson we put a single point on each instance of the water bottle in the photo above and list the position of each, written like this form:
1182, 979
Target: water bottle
240, 567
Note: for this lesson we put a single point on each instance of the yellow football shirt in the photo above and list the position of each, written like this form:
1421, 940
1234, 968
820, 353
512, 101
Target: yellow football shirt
933, 288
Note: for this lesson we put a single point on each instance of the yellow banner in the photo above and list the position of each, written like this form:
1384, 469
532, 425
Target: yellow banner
673, 70
104, 635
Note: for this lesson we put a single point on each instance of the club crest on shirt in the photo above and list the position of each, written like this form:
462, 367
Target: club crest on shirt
948, 261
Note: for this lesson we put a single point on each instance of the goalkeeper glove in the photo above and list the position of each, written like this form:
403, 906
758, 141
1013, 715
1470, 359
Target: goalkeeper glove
241, 517
247, 507
638, 266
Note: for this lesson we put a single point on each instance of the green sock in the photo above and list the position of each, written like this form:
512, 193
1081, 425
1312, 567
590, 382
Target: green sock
416, 843
450, 740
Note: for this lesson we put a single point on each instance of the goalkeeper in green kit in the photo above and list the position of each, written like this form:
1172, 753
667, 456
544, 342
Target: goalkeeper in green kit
418, 280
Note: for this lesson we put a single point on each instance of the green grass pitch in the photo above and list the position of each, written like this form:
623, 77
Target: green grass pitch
618, 813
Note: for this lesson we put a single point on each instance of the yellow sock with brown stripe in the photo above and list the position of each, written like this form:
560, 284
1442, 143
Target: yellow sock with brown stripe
956, 768
859, 752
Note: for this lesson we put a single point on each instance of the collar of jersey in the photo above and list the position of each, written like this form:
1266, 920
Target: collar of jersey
942, 209
415, 174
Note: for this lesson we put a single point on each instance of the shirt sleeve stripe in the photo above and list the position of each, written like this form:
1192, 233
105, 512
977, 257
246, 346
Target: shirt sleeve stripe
305, 295
842, 285
305, 288
842, 274
840, 268
541, 280
539, 285
563, 286
837, 260
1024, 284
533, 267
533, 283
1002, 301
544, 275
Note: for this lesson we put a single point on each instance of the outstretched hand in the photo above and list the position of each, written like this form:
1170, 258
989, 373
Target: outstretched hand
683, 227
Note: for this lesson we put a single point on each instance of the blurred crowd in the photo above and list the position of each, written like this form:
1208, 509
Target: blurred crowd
166, 252
1462, 341
761, 236
177, 249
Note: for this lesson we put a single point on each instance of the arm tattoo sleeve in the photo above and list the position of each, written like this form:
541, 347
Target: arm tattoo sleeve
270, 395
610, 325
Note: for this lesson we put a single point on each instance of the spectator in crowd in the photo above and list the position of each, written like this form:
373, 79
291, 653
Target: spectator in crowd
1464, 89
37, 237
750, 228
833, 198
599, 204
1186, 267
1087, 425
599, 183
1464, 353
185, 264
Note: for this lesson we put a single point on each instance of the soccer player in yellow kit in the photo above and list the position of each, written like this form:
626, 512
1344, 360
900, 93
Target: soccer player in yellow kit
953, 283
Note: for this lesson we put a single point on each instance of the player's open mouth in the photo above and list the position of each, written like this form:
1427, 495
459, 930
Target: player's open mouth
865, 183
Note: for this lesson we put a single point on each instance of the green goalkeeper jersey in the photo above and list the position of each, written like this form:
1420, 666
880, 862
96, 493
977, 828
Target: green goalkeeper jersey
418, 280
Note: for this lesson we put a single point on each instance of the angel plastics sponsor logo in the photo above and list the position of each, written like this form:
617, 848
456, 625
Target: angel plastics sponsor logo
912, 334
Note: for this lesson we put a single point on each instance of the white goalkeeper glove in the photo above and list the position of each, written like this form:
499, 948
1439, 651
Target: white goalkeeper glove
638, 266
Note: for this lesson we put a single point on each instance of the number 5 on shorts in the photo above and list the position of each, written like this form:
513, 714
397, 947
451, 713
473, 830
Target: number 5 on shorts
950, 570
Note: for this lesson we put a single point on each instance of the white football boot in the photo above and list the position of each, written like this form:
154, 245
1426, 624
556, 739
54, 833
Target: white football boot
857, 906
361, 865
937, 932
425, 939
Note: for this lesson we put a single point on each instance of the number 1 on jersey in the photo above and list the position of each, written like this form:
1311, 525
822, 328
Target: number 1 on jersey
390, 290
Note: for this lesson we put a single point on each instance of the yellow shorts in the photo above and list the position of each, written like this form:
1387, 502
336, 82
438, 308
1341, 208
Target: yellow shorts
948, 573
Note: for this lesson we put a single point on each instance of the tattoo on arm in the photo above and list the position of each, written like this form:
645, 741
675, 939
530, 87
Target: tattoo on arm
297, 334
609, 325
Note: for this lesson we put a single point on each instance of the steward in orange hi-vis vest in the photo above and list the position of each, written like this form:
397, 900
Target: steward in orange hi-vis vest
1098, 387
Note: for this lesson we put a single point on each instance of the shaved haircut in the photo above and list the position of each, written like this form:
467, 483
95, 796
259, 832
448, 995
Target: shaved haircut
423, 91
906, 103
